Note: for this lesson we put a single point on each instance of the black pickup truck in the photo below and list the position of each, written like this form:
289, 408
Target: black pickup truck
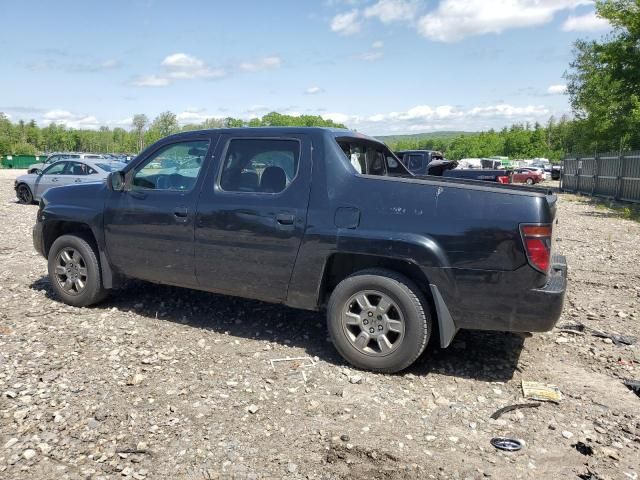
431, 162
315, 219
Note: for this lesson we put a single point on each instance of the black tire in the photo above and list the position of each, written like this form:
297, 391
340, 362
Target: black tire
529, 181
412, 308
23, 192
92, 290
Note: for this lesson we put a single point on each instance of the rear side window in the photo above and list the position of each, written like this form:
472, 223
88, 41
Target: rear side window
259, 165
79, 168
371, 158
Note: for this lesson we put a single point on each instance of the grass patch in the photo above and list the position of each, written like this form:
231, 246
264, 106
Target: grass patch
621, 210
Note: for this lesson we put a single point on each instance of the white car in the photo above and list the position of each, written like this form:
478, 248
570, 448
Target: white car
30, 187
56, 157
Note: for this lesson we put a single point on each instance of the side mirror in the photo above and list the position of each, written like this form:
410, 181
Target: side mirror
115, 181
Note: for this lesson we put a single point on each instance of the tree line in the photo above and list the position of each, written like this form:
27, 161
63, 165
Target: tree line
27, 138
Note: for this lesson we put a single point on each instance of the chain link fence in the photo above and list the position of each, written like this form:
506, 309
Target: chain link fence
613, 175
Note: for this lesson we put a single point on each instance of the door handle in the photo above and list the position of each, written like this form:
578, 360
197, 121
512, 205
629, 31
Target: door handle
181, 214
77, 180
285, 218
54, 179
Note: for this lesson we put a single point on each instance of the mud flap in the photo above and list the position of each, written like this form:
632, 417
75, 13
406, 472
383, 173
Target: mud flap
446, 324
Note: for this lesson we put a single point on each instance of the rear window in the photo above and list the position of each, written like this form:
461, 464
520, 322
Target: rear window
370, 158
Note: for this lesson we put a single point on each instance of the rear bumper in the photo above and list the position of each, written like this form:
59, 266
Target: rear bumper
504, 301
539, 309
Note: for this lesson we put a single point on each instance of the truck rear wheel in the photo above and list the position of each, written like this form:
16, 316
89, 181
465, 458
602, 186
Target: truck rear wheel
74, 271
378, 320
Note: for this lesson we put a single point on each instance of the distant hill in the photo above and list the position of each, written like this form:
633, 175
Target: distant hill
448, 134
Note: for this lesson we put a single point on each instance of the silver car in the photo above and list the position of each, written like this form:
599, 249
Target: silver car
56, 157
30, 187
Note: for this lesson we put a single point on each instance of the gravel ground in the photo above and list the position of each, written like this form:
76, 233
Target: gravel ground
161, 382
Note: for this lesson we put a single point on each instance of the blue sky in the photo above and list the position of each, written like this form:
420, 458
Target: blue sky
381, 66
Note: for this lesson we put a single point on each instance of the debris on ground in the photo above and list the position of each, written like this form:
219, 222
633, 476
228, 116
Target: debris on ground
498, 413
507, 444
541, 392
633, 385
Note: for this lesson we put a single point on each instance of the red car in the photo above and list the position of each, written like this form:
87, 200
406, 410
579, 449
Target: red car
524, 175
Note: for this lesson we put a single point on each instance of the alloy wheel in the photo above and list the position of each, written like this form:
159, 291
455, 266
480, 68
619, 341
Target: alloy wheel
71, 271
373, 323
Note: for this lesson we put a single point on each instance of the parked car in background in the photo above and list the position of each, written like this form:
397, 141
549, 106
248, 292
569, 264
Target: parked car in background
556, 172
56, 157
284, 215
430, 164
529, 176
417, 161
30, 187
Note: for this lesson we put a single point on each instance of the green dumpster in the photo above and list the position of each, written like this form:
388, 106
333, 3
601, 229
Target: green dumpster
20, 161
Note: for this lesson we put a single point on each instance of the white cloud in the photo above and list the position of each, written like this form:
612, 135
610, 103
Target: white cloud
422, 118
589, 22
388, 11
454, 20
557, 89
338, 117
375, 53
150, 81
193, 115
313, 90
265, 63
181, 66
347, 23
69, 119
372, 55
109, 64
122, 123
182, 61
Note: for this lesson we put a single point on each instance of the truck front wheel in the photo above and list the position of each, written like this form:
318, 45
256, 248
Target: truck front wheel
74, 271
378, 320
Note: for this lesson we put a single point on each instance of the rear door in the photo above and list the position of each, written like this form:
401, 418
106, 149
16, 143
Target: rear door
80, 172
251, 215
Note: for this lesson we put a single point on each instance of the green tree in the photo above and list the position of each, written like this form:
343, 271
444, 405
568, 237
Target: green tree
140, 122
165, 124
604, 79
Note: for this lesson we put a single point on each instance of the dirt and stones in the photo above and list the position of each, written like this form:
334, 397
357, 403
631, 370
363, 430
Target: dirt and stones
161, 382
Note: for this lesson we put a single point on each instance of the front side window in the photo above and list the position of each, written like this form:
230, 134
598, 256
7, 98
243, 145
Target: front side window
56, 169
259, 165
174, 167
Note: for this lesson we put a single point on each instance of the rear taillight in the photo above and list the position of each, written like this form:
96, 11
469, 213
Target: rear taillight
537, 244
503, 179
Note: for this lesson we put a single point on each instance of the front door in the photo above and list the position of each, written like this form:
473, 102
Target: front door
55, 175
149, 226
251, 215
